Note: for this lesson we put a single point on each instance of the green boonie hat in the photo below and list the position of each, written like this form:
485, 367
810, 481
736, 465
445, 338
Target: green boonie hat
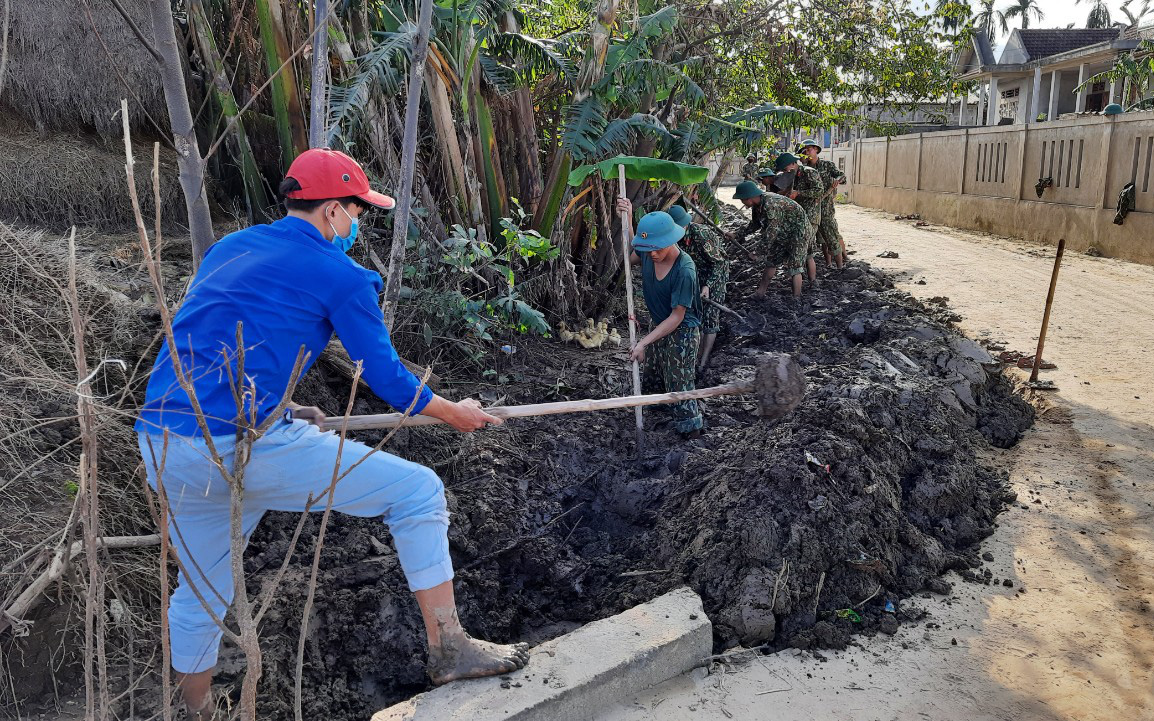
765, 173
751, 156
1112, 109
656, 231
785, 159
679, 215
808, 143
747, 189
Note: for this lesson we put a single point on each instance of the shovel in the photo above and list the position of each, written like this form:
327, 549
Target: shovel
749, 325
778, 384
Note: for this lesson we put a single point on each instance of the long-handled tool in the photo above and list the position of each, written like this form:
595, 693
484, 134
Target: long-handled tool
749, 325
724, 234
725, 309
626, 251
778, 384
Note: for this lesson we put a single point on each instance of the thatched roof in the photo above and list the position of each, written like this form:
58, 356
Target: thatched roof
61, 77
58, 180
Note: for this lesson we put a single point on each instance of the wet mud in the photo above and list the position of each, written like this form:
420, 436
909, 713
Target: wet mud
795, 532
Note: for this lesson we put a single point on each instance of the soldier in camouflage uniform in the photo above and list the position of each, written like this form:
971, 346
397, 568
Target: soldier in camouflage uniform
749, 170
828, 236
784, 236
807, 191
706, 248
765, 178
669, 284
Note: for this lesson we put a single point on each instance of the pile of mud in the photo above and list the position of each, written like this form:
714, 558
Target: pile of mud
863, 496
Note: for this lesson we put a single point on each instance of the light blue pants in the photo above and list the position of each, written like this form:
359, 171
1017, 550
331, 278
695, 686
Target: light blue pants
290, 463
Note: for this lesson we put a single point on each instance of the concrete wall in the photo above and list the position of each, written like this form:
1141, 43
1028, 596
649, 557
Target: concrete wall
983, 179
1067, 98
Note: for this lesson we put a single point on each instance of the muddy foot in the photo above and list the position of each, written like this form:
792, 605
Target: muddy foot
465, 657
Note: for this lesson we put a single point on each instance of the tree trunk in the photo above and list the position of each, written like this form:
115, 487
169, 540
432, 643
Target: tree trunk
318, 92
726, 159
408, 161
526, 149
221, 90
286, 101
452, 161
189, 162
592, 68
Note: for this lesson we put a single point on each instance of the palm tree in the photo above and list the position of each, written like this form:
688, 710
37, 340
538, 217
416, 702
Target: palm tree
983, 20
1133, 18
951, 14
1020, 9
1099, 16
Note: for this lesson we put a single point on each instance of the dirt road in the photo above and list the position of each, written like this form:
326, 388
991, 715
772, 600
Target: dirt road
1073, 638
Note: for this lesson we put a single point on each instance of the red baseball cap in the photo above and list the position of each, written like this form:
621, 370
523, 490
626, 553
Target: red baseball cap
323, 174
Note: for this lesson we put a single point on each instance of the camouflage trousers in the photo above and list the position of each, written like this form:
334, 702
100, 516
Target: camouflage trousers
814, 215
711, 323
828, 235
790, 251
671, 365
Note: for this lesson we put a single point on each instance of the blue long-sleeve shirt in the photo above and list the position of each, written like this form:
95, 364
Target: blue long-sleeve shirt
290, 288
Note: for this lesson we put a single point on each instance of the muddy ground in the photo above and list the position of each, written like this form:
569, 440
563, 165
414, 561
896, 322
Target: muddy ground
866, 494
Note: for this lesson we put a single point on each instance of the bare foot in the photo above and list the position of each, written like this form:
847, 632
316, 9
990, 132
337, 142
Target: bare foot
461, 656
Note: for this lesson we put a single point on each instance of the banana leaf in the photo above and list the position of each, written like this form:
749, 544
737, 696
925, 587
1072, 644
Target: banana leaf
642, 169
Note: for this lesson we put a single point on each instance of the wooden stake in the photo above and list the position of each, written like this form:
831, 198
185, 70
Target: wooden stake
626, 222
1046, 315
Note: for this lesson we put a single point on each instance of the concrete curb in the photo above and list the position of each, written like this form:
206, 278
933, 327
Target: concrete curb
575, 676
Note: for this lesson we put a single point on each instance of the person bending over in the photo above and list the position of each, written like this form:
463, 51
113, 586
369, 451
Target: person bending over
288, 286
669, 284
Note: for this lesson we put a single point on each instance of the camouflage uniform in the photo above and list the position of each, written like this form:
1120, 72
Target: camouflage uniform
671, 365
785, 235
705, 246
828, 236
749, 171
810, 188
754, 225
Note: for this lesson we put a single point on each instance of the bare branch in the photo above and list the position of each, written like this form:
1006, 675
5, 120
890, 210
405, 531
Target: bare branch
136, 31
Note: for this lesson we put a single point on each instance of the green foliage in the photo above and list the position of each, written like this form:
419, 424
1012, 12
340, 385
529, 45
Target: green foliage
649, 169
484, 313
379, 71
1134, 68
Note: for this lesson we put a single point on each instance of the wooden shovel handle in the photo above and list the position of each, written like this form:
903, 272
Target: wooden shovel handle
392, 420
725, 309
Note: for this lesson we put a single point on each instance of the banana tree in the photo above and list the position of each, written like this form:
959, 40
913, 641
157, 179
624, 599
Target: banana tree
221, 90
1134, 70
285, 97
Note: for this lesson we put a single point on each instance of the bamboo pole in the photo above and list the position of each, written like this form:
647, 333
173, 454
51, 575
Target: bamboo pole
627, 222
1046, 314
589, 405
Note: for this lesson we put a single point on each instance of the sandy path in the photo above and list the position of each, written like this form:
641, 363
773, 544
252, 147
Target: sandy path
1078, 644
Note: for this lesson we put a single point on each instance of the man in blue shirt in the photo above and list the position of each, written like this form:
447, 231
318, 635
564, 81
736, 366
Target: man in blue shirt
279, 292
